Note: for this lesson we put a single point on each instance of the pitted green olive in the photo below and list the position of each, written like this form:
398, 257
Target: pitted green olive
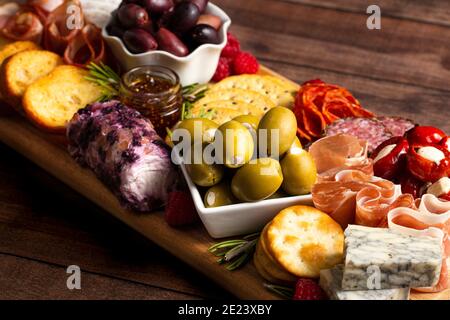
249, 121
199, 129
299, 172
203, 173
296, 145
219, 195
257, 180
237, 143
283, 120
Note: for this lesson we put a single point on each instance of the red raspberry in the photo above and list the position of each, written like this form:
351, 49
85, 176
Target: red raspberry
232, 48
223, 70
307, 289
245, 63
180, 209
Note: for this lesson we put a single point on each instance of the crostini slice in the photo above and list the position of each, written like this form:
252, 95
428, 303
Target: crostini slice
22, 69
52, 101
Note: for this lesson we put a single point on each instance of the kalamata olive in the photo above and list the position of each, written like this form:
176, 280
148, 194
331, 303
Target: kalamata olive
203, 33
184, 17
133, 16
210, 20
114, 28
139, 41
169, 42
158, 6
201, 4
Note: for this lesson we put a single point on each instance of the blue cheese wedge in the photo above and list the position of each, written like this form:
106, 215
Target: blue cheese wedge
331, 281
377, 258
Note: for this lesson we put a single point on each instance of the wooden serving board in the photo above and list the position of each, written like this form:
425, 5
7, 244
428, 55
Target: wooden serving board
189, 245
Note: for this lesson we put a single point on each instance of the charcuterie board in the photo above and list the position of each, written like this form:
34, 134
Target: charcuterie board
188, 244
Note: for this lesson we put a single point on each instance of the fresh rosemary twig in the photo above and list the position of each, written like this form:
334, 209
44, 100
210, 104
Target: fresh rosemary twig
284, 292
106, 78
191, 94
235, 253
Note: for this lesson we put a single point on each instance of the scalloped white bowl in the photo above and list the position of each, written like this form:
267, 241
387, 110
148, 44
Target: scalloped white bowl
242, 218
198, 67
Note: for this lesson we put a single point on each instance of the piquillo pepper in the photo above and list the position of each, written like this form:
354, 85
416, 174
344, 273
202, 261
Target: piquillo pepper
423, 135
428, 162
390, 158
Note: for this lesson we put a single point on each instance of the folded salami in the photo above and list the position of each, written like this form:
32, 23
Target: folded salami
125, 152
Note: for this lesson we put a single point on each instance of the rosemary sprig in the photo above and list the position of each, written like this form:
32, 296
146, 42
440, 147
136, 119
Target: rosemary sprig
191, 94
284, 292
106, 78
235, 253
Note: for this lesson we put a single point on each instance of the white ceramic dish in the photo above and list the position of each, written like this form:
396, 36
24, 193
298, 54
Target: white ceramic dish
242, 218
197, 67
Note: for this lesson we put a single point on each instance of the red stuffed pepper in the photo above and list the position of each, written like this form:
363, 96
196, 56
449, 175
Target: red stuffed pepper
428, 162
390, 158
412, 185
425, 135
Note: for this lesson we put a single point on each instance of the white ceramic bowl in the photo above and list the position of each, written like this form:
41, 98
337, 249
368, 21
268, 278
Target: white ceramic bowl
197, 67
242, 218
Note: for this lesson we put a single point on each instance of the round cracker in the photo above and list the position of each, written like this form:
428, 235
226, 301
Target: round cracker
305, 240
216, 111
268, 262
262, 272
280, 94
259, 101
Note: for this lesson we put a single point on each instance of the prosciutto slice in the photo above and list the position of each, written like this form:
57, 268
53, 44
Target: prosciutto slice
20, 23
87, 46
431, 218
59, 33
355, 197
340, 152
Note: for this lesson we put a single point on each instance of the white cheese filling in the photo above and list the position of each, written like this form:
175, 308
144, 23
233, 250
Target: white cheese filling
432, 154
440, 187
384, 152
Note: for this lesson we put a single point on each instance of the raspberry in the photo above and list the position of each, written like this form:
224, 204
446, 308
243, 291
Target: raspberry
232, 48
245, 63
180, 209
307, 289
223, 70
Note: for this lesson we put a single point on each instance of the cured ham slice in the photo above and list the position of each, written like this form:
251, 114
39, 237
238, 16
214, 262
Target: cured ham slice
336, 153
87, 46
355, 197
47, 5
23, 25
432, 218
58, 33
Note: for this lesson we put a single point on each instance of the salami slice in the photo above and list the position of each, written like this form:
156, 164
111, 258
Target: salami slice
368, 129
396, 125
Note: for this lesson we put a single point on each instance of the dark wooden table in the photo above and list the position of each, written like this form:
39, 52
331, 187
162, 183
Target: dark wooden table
402, 69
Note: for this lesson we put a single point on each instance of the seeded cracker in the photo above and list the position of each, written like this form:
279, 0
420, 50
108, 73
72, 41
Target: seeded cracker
278, 91
223, 110
256, 99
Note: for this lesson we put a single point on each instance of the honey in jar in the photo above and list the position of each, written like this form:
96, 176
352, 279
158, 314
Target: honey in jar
156, 93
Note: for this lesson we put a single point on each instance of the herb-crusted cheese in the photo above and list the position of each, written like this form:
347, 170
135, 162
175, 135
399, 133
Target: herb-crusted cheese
331, 280
383, 259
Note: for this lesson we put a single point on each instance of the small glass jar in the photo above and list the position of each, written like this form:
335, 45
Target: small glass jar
156, 92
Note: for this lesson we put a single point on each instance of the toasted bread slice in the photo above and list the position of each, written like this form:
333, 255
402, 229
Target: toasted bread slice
52, 100
15, 47
8, 49
22, 69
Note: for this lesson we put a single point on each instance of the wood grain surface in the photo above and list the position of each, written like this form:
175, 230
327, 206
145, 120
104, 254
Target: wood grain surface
402, 69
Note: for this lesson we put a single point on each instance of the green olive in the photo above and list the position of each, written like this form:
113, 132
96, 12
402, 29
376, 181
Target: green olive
237, 144
299, 172
199, 128
250, 121
219, 195
296, 145
283, 120
257, 180
201, 172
